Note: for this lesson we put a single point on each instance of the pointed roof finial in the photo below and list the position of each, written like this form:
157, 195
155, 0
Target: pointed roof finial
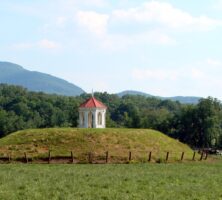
92, 93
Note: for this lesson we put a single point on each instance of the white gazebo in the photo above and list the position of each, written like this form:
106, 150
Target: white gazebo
92, 114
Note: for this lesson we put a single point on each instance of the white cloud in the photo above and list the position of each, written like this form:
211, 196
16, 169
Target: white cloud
155, 74
95, 22
157, 37
217, 5
166, 15
47, 44
117, 42
150, 23
98, 3
214, 62
73, 3
196, 73
61, 20
194, 81
153, 22
174, 75
42, 44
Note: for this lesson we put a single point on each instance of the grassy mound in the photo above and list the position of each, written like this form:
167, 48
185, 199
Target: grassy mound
37, 142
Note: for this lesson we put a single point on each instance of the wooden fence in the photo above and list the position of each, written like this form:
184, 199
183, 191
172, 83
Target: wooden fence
91, 158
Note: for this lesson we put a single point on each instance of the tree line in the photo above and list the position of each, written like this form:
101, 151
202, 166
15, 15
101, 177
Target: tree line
198, 125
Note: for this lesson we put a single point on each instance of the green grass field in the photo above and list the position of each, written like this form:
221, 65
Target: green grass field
195, 181
175, 180
37, 142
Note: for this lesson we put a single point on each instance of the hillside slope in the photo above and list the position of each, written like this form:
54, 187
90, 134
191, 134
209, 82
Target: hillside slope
133, 92
36, 81
181, 99
81, 141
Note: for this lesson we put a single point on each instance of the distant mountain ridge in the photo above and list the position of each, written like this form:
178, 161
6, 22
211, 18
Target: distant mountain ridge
36, 81
181, 99
14, 74
133, 92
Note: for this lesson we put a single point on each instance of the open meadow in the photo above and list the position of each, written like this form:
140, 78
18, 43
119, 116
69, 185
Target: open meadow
191, 180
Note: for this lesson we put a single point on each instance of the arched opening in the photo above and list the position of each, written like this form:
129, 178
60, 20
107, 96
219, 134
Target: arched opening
90, 120
99, 118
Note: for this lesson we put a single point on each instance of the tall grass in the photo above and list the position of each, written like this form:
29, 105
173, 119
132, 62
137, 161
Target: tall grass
119, 182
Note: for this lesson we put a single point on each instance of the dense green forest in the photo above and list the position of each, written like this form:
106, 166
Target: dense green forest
198, 125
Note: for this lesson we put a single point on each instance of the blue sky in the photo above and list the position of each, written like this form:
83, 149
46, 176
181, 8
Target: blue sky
162, 47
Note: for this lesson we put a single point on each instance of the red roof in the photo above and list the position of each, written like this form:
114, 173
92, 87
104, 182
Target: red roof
92, 103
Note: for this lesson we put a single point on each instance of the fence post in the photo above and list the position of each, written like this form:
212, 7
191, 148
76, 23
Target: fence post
107, 157
26, 158
90, 157
49, 157
167, 156
206, 156
201, 157
194, 154
182, 156
9, 158
72, 157
130, 156
150, 156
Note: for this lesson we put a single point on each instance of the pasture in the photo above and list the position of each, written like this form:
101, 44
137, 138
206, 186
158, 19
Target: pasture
192, 180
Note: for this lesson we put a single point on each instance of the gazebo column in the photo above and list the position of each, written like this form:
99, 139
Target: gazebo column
95, 119
86, 119
103, 119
